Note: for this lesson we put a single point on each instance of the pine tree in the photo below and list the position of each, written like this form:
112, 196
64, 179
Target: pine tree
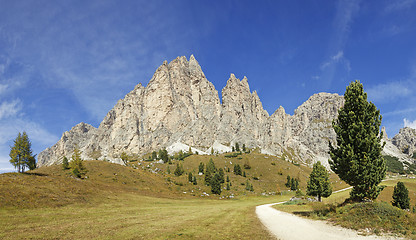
168, 170
319, 184
65, 163
357, 160
216, 184
244, 174
210, 171
201, 168
194, 181
190, 178
32, 162
401, 196
247, 185
293, 183
237, 147
154, 155
212, 151
228, 186
179, 170
211, 166
163, 155
221, 172
237, 169
228, 178
76, 165
207, 178
288, 182
244, 147
21, 155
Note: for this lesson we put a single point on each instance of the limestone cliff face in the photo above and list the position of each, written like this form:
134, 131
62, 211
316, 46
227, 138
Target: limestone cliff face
405, 140
180, 105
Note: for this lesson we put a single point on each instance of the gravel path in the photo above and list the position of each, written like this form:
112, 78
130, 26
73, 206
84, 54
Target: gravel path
286, 226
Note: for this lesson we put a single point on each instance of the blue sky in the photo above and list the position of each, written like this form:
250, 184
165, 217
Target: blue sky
65, 62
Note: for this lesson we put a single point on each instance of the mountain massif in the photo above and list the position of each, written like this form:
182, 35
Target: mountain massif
179, 108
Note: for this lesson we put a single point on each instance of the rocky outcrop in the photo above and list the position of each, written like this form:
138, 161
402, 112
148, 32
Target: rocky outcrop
180, 107
405, 141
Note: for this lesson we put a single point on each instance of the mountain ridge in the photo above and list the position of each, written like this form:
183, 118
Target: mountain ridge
180, 105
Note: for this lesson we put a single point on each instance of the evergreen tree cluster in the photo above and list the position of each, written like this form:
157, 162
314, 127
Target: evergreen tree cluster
357, 158
292, 183
21, 155
179, 171
237, 169
181, 155
249, 186
163, 155
214, 177
192, 179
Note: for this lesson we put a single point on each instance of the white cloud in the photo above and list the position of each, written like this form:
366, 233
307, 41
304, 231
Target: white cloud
10, 128
10, 109
386, 92
408, 123
338, 56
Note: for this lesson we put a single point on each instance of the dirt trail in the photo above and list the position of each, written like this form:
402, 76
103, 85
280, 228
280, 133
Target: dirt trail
286, 226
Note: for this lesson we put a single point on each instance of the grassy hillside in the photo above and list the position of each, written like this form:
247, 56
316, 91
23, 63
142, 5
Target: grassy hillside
143, 201
268, 174
52, 186
116, 202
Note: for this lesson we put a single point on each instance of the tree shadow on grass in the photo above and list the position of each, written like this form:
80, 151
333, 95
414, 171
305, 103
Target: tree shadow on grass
36, 174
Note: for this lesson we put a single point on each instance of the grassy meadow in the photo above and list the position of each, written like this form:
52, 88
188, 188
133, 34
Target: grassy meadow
117, 202
144, 201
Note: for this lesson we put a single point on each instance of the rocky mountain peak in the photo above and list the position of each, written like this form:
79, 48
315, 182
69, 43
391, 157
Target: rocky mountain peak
405, 140
180, 107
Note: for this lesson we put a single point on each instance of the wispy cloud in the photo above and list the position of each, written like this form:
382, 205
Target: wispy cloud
399, 5
408, 123
100, 55
386, 92
346, 11
10, 108
337, 58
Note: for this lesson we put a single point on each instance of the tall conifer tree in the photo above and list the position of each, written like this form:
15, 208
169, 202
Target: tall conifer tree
21, 155
357, 158
319, 184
